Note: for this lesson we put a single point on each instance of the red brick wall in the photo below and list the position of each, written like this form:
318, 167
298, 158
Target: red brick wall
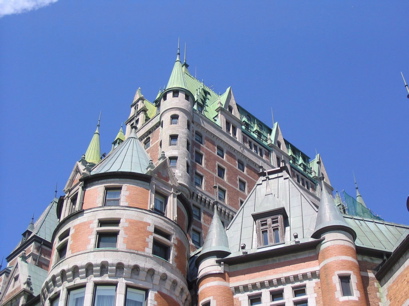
137, 197
90, 198
398, 290
221, 294
181, 257
163, 299
135, 235
80, 234
181, 218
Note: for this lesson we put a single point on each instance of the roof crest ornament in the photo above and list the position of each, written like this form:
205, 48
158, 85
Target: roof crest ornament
406, 85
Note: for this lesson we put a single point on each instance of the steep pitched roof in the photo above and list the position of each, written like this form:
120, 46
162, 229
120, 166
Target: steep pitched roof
329, 217
129, 156
93, 153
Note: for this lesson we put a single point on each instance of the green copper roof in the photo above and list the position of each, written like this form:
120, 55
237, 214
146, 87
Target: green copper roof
177, 79
120, 135
93, 153
127, 157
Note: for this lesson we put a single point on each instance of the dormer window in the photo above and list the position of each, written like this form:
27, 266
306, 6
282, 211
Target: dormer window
270, 227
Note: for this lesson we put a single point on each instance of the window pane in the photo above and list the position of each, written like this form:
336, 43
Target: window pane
265, 237
173, 140
220, 152
105, 296
240, 165
76, 297
174, 119
159, 204
301, 303
173, 161
196, 238
55, 302
255, 301
221, 194
299, 292
220, 172
135, 297
277, 296
346, 285
196, 213
198, 158
112, 197
276, 233
198, 137
198, 180
107, 240
160, 250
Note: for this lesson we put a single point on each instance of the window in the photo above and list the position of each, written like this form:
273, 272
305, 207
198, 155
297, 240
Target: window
196, 238
76, 297
230, 109
161, 250
162, 234
187, 167
175, 93
186, 97
220, 152
255, 300
173, 140
278, 161
147, 143
105, 295
135, 297
221, 172
297, 293
73, 202
270, 230
255, 149
107, 240
198, 180
173, 161
160, 203
109, 223
242, 185
165, 96
260, 152
188, 145
301, 303
221, 194
228, 127
234, 131
197, 214
199, 107
174, 119
188, 125
240, 165
277, 296
62, 251
199, 137
198, 157
112, 196
346, 285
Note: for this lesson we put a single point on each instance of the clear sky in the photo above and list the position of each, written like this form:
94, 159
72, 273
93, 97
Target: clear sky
329, 70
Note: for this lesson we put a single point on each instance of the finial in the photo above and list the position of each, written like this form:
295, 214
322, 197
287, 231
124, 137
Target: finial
99, 118
56, 190
406, 85
178, 53
184, 55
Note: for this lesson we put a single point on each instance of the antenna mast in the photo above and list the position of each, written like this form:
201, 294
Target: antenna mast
406, 84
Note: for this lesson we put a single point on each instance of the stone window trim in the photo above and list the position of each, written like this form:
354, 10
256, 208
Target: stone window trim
173, 140
240, 165
242, 184
74, 294
220, 151
353, 283
198, 158
277, 297
111, 289
129, 291
255, 299
111, 198
198, 180
270, 227
221, 194
160, 202
174, 119
162, 241
173, 160
103, 233
221, 172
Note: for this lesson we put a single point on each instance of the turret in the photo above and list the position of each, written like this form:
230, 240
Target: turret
340, 276
93, 153
176, 113
212, 280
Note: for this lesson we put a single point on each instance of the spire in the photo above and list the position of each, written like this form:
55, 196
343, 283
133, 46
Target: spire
93, 153
329, 217
138, 94
406, 85
120, 137
359, 198
216, 240
177, 79
31, 225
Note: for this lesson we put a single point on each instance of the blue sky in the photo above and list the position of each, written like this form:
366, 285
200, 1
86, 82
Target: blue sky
330, 70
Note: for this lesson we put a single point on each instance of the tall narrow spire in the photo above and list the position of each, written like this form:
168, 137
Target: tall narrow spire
93, 153
406, 84
178, 52
359, 198
177, 79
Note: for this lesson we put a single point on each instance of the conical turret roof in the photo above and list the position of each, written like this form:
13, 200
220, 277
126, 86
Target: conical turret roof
177, 77
127, 157
359, 198
329, 217
216, 241
93, 153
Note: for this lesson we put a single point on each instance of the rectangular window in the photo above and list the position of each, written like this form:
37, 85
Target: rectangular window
135, 297
199, 107
112, 196
55, 301
160, 203
175, 93
301, 303
197, 214
300, 291
173, 140
270, 230
76, 297
173, 161
107, 240
62, 251
240, 165
220, 152
196, 238
221, 172
346, 285
187, 168
221, 194
109, 223
105, 295
161, 250
228, 127
147, 143
188, 145
234, 131
277, 296
242, 185
186, 97
199, 137
198, 157
174, 119
255, 300
198, 180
